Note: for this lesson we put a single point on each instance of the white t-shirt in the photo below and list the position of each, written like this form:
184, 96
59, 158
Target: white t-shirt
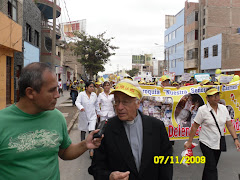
209, 134
60, 84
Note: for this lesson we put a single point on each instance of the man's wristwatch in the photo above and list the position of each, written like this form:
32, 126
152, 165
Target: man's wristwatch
235, 139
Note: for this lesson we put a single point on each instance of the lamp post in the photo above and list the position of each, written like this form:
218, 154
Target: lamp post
166, 57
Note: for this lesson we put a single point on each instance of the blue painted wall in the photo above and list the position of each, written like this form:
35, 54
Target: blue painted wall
179, 53
212, 62
31, 53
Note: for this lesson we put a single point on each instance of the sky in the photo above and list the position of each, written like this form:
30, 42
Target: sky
137, 25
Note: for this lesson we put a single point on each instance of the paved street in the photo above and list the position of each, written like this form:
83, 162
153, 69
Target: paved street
75, 169
64, 104
228, 167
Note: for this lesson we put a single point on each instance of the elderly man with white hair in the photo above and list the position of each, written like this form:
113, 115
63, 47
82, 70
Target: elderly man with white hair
131, 141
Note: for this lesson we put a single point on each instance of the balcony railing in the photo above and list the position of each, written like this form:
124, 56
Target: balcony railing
46, 7
49, 25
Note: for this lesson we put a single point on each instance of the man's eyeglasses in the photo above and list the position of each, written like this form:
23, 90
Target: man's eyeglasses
124, 102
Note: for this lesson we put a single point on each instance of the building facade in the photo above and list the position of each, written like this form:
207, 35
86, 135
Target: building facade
174, 43
46, 8
191, 40
219, 34
74, 70
144, 64
31, 29
11, 20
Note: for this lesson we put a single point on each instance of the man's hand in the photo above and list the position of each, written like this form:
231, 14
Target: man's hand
237, 144
116, 175
93, 143
188, 145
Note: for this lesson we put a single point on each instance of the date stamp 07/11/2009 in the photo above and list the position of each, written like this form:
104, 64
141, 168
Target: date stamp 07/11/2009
177, 160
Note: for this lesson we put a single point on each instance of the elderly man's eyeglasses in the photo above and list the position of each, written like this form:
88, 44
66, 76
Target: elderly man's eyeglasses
124, 102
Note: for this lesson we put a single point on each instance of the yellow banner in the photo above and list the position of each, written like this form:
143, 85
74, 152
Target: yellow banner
178, 107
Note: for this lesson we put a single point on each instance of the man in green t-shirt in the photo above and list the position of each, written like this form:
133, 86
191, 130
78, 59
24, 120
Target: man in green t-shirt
33, 133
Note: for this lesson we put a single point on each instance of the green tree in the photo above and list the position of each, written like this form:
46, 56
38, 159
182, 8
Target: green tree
133, 72
93, 52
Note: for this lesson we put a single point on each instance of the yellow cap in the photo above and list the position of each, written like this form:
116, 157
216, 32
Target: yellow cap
81, 80
128, 89
164, 78
216, 83
175, 83
205, 81
212, 91
128, 78
75, 81
98, 83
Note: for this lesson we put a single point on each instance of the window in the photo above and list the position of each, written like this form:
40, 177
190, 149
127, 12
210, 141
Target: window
166, 38
173, 34
172, 49
196, 34
215, 50
203, 31
192, 54
48, 44
204, 12
36, 38
12, 9
206, 52
196, 15
169, 37
173, 63
28, 33
203, 21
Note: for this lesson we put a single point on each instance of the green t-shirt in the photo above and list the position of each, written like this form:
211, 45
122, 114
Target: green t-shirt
29, 144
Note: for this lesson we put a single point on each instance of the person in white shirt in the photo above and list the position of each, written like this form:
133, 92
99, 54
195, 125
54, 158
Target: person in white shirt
105, 101
60, 88
209, 136
87, 104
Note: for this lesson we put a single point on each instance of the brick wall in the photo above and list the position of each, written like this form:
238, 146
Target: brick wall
230, 54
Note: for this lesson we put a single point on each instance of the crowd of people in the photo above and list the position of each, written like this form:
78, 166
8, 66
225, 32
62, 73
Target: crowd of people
165, 81
106, 104
34, 133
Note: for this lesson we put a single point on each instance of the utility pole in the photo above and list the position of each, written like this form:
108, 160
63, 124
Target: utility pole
168, 61
118, 69
165, 60
199, 38
54, 35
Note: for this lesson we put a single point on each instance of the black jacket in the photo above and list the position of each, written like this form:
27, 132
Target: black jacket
115, 154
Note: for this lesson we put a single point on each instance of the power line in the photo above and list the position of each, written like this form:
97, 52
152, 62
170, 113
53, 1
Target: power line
67, 10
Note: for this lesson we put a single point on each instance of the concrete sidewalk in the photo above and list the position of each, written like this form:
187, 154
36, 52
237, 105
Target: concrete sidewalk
65, 97
64, 104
